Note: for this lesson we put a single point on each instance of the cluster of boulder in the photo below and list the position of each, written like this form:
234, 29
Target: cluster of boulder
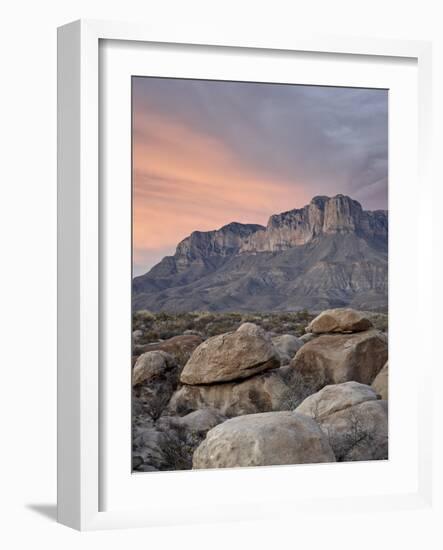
246, 398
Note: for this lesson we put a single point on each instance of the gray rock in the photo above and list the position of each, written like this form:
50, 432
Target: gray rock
359, 432
154, 379
262, 440
180, 347
199, 421
156, 450
305, 338
381, 383
153, 366
339, 320
287, 346
335, 398
353, 418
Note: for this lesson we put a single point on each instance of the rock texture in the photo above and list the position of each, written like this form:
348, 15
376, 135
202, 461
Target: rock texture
337, 358
234, 405
353, 419
330, 253
339, 320
154, 379
199, 421
269, 391
335, 398
231, 356
180, 347
287, 346
263, 439
360, 432
381, 383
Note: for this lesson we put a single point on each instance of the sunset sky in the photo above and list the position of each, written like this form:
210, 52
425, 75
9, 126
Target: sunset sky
206, 153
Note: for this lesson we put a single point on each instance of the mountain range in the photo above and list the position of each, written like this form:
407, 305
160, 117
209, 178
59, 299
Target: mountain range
330, 253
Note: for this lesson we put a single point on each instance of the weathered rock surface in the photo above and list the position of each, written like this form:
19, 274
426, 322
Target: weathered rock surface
338, 358
169, 443
359, 432
330, 253
305, 338
154, 379
180, 347
287, 346
155, 450
199, 421
262, 440
353, 418
153, 366
339, 320
231, 356
335, 398
269, 391
381, 382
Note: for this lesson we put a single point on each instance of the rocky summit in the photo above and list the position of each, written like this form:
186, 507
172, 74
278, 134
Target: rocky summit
329, 254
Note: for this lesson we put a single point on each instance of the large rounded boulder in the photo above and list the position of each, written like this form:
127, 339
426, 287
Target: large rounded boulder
353, 418
262, 440
339, 320
338, 358
231, 356
359, 432
335, 398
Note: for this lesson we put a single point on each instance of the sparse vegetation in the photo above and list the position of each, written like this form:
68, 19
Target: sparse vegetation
162, 325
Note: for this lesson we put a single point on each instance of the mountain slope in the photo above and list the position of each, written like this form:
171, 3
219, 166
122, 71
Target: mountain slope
330, 253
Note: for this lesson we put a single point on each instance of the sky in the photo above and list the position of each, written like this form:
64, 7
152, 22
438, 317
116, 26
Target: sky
206, 153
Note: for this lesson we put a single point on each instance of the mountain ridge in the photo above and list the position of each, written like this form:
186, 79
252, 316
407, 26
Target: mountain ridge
329, 253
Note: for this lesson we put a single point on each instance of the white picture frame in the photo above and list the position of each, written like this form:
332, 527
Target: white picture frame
81, 412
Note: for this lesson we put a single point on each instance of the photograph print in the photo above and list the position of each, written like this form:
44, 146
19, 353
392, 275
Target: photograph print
260, 274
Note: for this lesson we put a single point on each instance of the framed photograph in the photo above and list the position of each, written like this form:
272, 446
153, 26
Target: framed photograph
240, 259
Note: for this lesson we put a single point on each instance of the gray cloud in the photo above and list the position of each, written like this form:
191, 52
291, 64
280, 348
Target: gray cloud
332, 140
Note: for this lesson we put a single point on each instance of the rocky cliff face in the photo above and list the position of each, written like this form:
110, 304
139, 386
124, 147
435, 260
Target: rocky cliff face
322, 216
326, 254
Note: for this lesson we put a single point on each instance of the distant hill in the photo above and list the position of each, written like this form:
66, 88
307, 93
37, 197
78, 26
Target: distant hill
330, 253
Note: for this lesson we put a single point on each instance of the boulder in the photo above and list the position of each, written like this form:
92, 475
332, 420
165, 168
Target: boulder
336, 397
381, 383
264, 392
231, 356
339, 320
353, 418
263, 439
169, 443
180, 347
359, 432
287, 346
154, 380
153, 366
199, 421
155, 450
338, 358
